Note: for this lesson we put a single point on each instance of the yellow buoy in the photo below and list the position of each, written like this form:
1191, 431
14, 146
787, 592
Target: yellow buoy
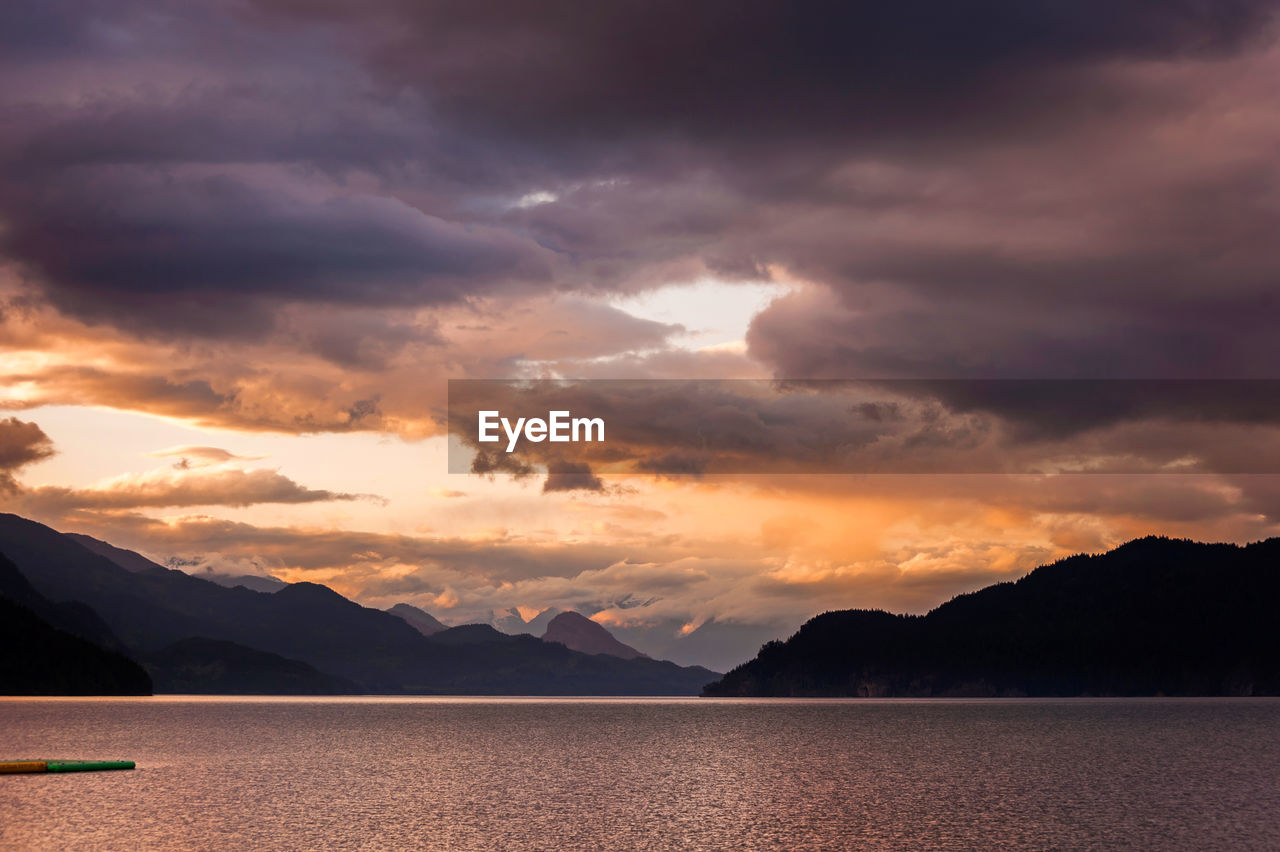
10, 767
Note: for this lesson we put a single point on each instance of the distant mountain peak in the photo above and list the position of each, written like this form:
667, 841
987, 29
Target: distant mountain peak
311, 592
470, 634
419, 619
579, 633
253, 582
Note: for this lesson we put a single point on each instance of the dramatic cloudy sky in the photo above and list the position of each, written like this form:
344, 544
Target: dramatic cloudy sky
245, 243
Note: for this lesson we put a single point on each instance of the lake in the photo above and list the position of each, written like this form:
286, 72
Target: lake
586, 774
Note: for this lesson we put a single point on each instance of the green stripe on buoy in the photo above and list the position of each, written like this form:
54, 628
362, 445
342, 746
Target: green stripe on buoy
8, 767
87, 765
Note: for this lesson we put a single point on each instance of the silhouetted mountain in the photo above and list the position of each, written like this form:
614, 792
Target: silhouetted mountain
1155, 616
152, 608
42, 659
580, 633
470, 634
72, 617
253, 582
419, 619
212, 667
129, 560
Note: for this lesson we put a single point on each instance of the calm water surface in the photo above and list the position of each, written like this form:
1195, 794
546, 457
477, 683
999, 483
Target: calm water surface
570, 774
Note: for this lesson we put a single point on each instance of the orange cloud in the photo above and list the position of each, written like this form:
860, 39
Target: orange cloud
181, 488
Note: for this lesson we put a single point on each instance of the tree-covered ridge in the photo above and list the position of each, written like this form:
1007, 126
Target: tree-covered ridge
1154, 616
58, 649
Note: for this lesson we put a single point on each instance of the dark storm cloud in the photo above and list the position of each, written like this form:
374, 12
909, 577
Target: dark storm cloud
198, 177
1059, 409
863, 147
21, 444
722, 71
1130, 273
216, 123
981, 189
149, 251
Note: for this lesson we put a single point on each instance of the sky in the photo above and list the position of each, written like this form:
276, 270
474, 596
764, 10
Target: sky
244, 245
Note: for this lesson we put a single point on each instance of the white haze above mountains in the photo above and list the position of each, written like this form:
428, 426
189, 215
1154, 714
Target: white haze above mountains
714, 644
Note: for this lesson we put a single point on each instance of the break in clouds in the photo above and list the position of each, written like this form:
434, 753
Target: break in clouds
298, 218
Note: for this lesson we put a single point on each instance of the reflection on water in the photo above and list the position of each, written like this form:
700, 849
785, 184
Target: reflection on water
564, 774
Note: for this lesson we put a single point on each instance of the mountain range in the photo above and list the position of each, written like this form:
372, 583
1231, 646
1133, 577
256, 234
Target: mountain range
1153, 617
152, 613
